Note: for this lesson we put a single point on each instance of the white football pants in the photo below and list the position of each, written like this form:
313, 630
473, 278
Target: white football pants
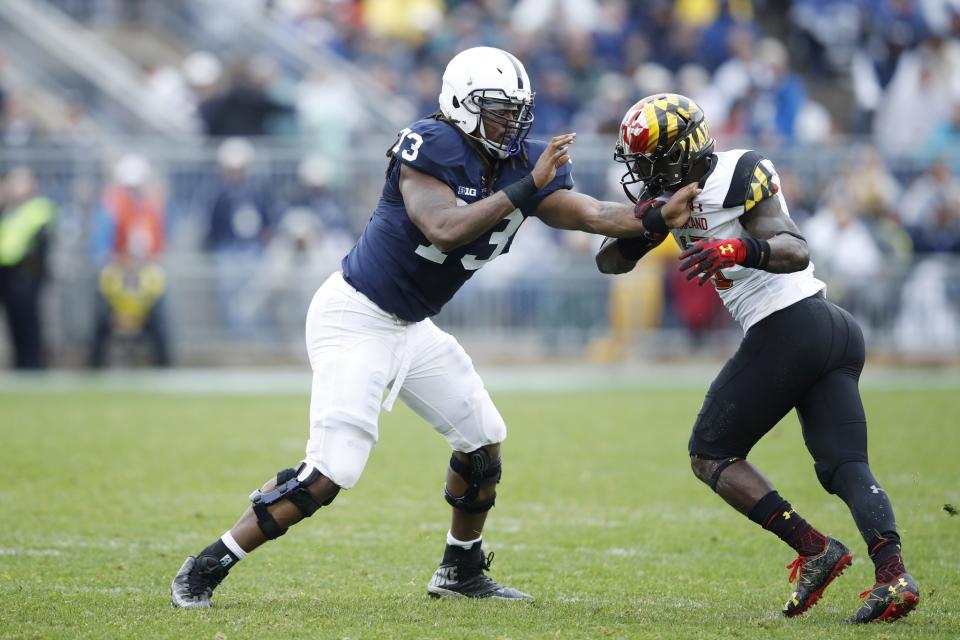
357, 350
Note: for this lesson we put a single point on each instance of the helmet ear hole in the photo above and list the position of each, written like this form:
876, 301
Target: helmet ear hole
456, 102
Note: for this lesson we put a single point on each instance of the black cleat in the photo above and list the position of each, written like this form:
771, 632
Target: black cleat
194, 583
814, 574
888, 601
465, 578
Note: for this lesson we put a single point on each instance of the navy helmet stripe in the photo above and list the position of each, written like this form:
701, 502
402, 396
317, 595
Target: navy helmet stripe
516, 69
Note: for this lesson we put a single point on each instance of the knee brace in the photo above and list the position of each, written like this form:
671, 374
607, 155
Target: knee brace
288, 486
479, 473
718, 467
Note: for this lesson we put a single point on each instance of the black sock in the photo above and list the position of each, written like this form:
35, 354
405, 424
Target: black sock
222, 553
887, 561
775, 514
870, 507
454, 553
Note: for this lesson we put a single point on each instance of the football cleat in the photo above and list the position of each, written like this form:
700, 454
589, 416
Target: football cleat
194, 584
888, 601
466, 579
813, 574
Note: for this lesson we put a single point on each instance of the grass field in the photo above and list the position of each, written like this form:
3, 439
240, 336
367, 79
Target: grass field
103, 494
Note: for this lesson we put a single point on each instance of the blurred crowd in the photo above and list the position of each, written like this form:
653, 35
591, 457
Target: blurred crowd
807, 73
776, 76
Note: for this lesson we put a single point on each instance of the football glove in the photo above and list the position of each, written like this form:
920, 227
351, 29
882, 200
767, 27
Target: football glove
705, 258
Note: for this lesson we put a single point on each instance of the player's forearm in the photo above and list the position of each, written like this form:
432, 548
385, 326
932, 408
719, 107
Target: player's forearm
787, 254
613, 220
457, 226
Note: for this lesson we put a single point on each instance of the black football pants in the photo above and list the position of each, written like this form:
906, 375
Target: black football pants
808, 356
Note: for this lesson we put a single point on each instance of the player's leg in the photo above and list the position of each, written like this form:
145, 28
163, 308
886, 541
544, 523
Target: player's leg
352, 352
835, 432
443, 388
763, 380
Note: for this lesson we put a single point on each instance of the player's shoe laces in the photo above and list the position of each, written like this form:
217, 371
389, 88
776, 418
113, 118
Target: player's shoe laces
465, 578
194, 583
813, 574
888, 601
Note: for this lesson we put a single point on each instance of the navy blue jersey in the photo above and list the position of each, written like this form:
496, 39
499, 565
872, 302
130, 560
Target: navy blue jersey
394, 264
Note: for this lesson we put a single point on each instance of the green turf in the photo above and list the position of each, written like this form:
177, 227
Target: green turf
102, 496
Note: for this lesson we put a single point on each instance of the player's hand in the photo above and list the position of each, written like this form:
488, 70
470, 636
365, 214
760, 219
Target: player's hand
552, 158
705, 258
677, 210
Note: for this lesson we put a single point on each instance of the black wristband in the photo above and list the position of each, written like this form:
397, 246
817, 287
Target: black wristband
758, 253
653, 222
520, 191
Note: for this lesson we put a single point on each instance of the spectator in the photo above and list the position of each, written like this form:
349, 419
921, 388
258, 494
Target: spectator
402, 19
719, 20
947, 135
562, 16
930, 71
26, 224
128, 242
314, 193
130, 291
777, 94
874, 190
243, 109
941, 233
556, 105
327, 109
241, 221
934, 186
847, 256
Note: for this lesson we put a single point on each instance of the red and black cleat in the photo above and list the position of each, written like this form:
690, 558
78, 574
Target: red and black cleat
813, 574
888, 601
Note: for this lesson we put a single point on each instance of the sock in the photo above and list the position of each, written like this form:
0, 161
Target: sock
775, 514
887, 561
870, 507
460, 543
226, 550
460, 551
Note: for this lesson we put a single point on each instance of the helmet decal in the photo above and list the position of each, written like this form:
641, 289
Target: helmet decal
661, 137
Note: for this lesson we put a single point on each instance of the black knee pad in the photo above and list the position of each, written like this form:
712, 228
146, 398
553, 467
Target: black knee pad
293, 489
480, 473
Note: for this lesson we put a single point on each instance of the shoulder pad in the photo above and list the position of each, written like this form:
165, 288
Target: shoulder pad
752, 181
431, 146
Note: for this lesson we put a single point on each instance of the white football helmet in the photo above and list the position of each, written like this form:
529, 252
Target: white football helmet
484, 82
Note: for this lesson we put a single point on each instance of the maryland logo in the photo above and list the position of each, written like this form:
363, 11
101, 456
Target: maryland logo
654, 123
762, 186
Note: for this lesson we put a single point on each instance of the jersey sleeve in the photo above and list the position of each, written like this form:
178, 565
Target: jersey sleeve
432, 147
563, 180
754, 180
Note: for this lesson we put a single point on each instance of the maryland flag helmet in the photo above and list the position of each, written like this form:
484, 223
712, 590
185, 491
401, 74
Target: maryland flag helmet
661, 137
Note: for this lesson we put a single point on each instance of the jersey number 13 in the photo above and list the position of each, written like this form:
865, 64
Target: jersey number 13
498, 239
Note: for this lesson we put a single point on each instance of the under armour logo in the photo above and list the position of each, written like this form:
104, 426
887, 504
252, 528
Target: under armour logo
786, 515
726, 248
875, 489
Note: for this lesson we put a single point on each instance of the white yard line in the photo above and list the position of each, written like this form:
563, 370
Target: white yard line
559, 378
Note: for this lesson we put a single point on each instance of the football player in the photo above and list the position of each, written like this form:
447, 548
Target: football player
799, 350
459, 184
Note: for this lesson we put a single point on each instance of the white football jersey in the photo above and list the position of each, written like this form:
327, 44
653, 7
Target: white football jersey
739, 180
